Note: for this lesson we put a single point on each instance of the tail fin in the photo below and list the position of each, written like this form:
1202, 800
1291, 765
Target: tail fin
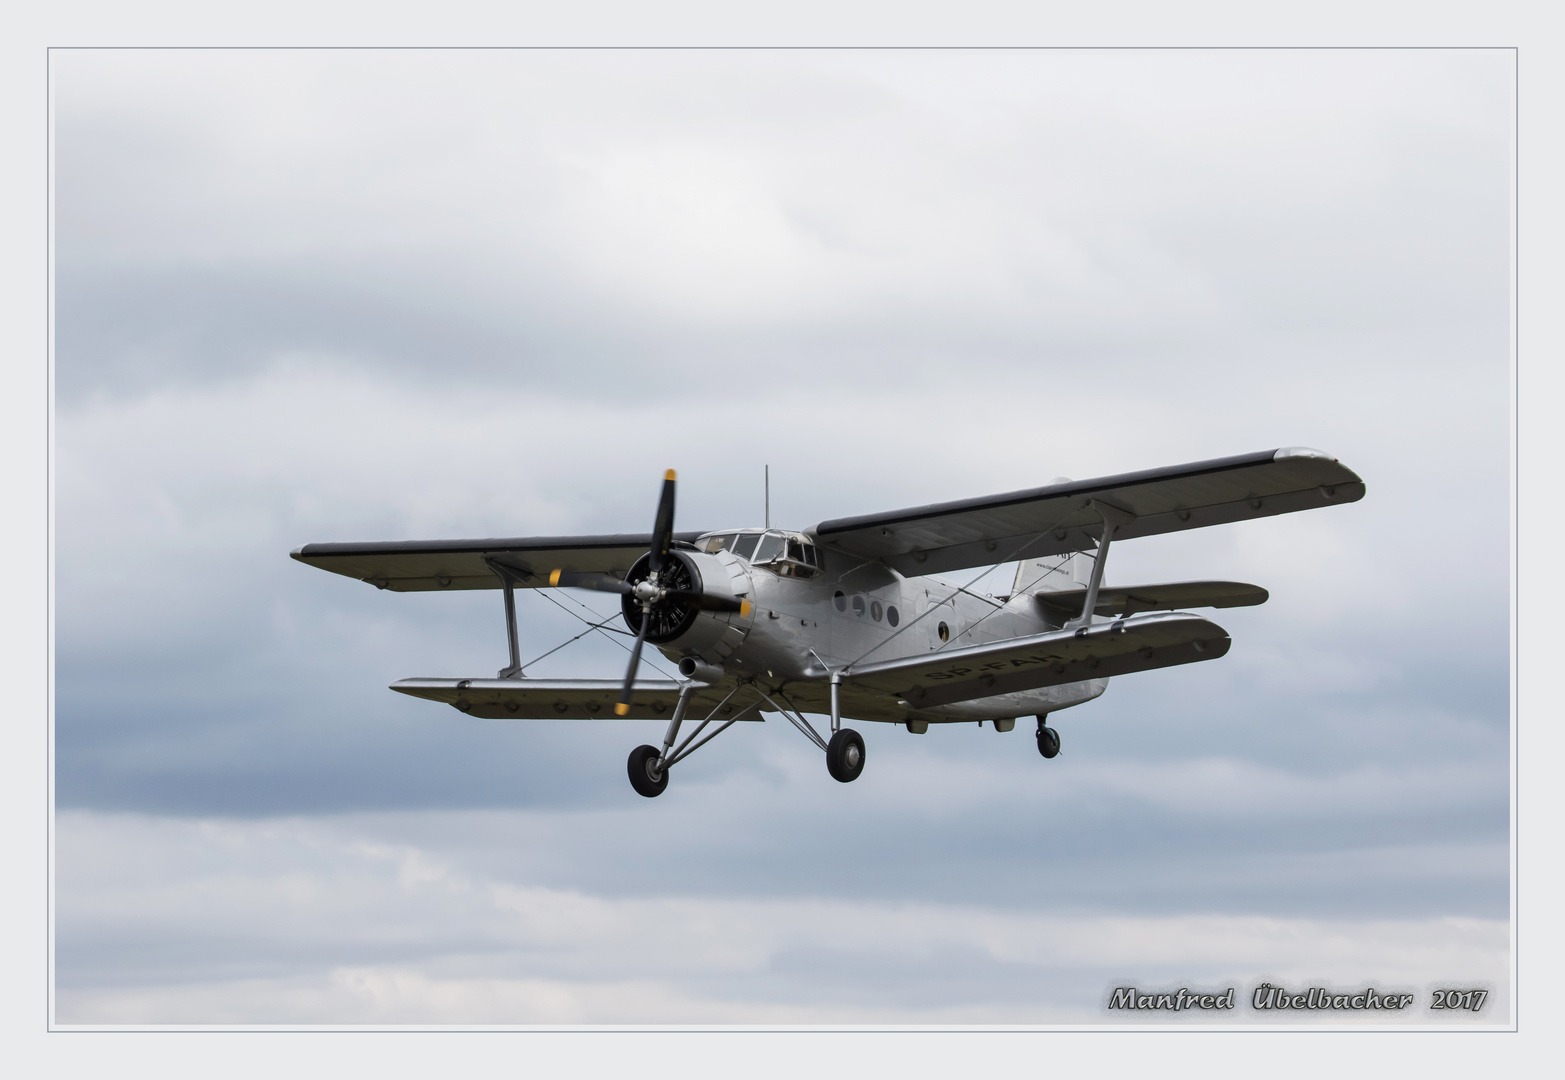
1053, 573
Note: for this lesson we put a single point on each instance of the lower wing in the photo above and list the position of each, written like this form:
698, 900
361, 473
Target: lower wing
1138, 643
563, 699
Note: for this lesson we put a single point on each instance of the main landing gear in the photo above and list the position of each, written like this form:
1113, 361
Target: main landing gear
648, 765
1048, 738
845, 752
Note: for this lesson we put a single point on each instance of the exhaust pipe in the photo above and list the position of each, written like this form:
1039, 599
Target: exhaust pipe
691, 668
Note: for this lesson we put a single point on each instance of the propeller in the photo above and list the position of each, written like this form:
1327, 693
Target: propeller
662, 538
571, 579
648, 593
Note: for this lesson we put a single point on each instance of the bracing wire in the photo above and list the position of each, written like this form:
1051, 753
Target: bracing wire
1010, 556
572, 641
599, 627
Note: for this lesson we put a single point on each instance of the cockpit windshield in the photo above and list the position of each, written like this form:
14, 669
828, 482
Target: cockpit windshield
789, 554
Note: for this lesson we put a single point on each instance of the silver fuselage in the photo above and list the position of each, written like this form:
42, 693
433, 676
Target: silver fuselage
805, 622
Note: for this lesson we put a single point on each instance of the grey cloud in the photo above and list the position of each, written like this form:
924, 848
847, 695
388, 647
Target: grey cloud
154, 908
459, 255
296, 310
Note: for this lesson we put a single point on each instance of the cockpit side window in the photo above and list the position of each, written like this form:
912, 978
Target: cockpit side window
770, 547
713, 544
795, 549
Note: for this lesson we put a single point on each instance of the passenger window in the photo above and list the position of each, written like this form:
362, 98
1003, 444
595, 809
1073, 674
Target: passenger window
874, 610
944, 631
770, 547
840, 600
858, 606
744, 546
891, 616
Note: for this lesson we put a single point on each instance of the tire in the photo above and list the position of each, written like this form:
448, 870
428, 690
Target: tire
845, 756
642, 778
1048, 742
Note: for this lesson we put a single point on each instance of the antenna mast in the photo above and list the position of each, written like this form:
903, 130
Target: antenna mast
768, 496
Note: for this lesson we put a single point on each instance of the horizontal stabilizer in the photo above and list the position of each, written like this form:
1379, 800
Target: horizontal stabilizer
562, 699
1140, 643
1175, 596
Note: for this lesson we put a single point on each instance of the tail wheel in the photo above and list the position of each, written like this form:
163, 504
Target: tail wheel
645, 776
845, 756
1048, 741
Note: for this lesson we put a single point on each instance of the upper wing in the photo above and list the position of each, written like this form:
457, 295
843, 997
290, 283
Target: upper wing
1140, 643
417, 565
562, 699
1058, 518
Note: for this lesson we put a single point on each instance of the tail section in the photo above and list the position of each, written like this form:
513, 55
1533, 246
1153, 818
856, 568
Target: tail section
1053, 573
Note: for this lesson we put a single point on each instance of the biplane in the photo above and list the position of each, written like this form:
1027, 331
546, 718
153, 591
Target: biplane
851, 620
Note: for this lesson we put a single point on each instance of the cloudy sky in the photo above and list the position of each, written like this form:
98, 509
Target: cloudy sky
311, 296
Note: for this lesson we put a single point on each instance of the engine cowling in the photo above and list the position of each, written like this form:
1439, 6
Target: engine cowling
679, 625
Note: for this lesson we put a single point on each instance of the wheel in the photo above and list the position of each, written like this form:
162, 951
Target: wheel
644, 776
845, 756
1048, 741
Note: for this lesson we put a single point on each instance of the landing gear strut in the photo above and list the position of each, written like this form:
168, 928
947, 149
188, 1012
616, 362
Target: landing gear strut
845, 751
1048, 738
648, 766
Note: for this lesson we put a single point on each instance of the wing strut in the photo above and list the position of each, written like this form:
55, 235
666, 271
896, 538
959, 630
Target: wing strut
509, 576
1113, 518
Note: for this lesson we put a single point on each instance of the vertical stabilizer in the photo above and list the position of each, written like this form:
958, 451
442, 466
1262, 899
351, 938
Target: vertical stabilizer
1053, 573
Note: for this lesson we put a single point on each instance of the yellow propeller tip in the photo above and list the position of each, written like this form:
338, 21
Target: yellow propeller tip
744, 607
554, 577
669, 475
621, 709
